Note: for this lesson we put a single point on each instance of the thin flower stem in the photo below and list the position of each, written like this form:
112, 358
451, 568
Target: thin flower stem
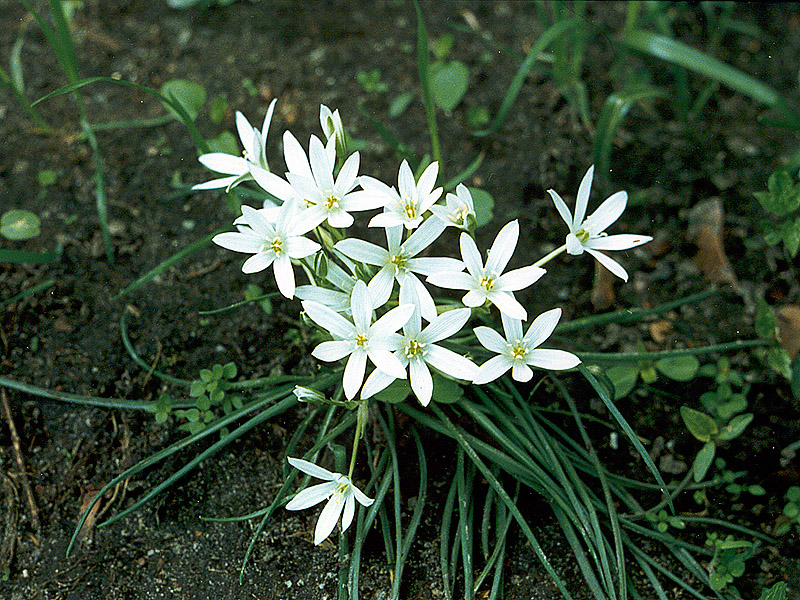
550, 256
363, 413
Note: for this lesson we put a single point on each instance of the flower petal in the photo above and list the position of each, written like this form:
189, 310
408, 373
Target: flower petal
519, 279
609, 263
561, 207
451, 363
354, 373
328, 518
621, 241
310, 468
329, 319
521, 372
447, 324
542, 327
332, 350
349, 511
502, 248
311, 496
490, 339
295, 156
492, 369
607, 213
582, 200
553, 360
421, 380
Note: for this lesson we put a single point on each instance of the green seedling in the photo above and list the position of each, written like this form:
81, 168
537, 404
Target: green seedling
728, 478
781, 198
625, 377
19, 225
766, 326
707, 430
728, 561
371, 82
190, 95
662, 520
791, 511
449, 79
209, 392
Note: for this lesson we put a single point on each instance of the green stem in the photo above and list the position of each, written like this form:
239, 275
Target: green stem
363, 414
546, 259
637, 356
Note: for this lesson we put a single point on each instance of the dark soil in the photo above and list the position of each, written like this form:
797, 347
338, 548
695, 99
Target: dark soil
67, 337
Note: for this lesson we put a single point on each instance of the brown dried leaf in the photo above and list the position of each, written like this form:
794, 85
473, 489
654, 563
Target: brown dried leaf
705, 231
659, 330
789, 329
603, 296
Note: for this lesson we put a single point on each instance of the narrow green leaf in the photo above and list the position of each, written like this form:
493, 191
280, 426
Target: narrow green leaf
703, 461
677, 53
423, 66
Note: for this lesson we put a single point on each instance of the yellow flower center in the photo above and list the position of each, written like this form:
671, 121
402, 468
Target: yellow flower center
583, 235
487, 282
331, 202
518, 350
459, 217
400, 261
409, 208
361, 340
276, 246
414, 348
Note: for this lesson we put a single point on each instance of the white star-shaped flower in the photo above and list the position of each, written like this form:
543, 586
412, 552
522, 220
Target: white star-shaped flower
589, 234
270, 242
459, 210
417, 349
398, 263
338, 490
409, 205
359, 339
332, 127
239, 168
519, 353
488, 283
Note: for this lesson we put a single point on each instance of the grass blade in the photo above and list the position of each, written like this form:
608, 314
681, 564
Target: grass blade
423, 64
677, 53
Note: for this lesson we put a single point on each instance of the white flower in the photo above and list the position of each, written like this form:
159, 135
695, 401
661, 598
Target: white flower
337, 298
486, 283
271, 242
360, 339
409, 205
338, 490
332, 126
458, 210
589, 234
517, 352
398, 263
313, 182
239, 168
417, 349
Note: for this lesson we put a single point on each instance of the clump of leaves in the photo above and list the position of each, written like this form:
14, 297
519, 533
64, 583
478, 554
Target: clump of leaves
449, 78
210, 394
708, 430
728, 561
728, 478
766, 326
781, 198
371, 82
676, 368
662, 520
791, 511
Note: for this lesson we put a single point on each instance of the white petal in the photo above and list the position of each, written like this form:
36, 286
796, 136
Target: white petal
423, 237
561, 207
542, 327
521, 372
332, 350
512, 327
622, 241
284, 275
451, 363
582, 200
300, 247
280, 188
428, 178
574, 245
362, 497
507, 304
320, 165
216, 184
519, 279
222, 162
245, 132
328, 319
349, 511
328, 518
609, 263
310, 468
380, 287
447, 324
452, 280
474, 298
363, 251
429, 265
391, 321
311, 496
354, 373
421, 380
376, 382
490, 339
503, 247
361, 307
492, 369
238, 242
608, 212
257, 263
405, 181
346, 180
295, 156
554, 360
387, 362
412, 290
470, 255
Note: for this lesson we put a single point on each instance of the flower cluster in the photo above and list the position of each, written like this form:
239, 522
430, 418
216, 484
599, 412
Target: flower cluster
374, 302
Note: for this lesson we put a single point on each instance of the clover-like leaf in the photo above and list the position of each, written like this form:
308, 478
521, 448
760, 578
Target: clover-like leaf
782, 197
